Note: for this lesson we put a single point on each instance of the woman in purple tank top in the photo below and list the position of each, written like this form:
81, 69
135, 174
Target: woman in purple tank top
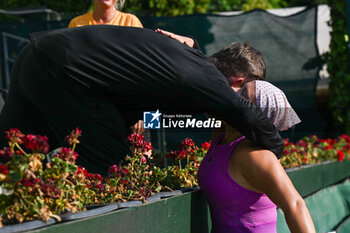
244, 183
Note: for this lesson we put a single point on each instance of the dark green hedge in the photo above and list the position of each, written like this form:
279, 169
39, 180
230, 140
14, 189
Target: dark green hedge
160, 7
182, 7
56, 5
338, 67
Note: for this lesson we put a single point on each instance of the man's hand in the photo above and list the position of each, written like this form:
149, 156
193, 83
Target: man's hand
182, 39
138, 128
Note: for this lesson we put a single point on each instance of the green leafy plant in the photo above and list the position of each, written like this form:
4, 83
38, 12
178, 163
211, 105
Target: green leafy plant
28, 190
263, 4
311, 150
168, 7
185, 7
337, 61
138, 178
177, 175
162, 7
60, 6
32, 190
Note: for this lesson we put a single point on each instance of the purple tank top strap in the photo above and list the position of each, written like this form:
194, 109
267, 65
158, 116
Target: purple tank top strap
230, 148
235, 142
218, 139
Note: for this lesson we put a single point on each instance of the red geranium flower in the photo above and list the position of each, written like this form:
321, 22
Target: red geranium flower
125, 171
116, 170
346, 137
172, 154
182, 155
187, 143
4, 170
6, 154
97, 177
72, 138
15, 136
286, 152
36, 143
66, 154
30, 182
301, 143
138, 141
81, 170
286, 142
340, 155
50, 189
206, 145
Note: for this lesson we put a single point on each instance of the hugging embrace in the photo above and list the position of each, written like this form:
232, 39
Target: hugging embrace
101, 78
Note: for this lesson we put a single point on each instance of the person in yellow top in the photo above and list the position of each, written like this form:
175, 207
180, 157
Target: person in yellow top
106, 12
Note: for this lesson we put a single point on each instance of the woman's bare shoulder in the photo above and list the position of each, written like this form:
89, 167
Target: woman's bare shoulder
247, 149
255, 159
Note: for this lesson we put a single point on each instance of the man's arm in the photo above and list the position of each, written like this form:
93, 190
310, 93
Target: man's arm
211, 93
247, 118
204, 89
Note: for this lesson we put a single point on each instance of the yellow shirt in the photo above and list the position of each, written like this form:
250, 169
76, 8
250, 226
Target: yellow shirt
120, 19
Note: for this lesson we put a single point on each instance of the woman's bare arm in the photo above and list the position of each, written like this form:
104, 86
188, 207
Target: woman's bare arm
264, 171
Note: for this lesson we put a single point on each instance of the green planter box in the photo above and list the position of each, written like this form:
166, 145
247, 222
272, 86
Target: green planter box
189, 212
184, 213
329, 209
311, 178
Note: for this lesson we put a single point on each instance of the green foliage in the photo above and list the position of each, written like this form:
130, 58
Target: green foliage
167, 7
263, 4
306, 2
183, 7
226, 5
313, 150
162, 7
42, 192
30, 191
337, 61
69, 8
60, 6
